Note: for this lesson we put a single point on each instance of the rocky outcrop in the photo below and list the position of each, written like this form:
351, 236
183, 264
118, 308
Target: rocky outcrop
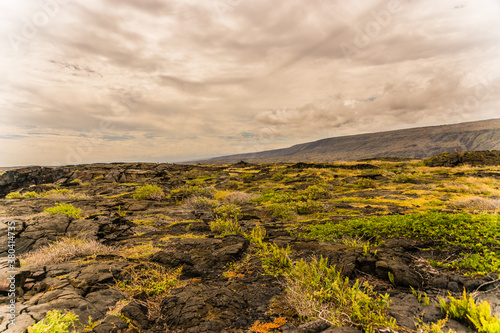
472, 158
37, 231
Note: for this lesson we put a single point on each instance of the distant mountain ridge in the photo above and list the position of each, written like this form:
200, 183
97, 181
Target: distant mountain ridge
421, 142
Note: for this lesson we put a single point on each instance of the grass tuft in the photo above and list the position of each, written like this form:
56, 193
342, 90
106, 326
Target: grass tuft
149, 192
56, 322
66, 209
153, 279
64, 250
225, 227
318, 291
475, 316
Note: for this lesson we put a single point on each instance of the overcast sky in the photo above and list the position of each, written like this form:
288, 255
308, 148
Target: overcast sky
174, 80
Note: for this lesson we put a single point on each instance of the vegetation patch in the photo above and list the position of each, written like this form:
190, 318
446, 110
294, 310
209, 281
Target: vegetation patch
229, 211
477, 317
151, 278
65, 249
476, 203
57, 322
283, 211
56, 194
225, 227
275, 260
318, 291
67, 209
259, 327
141, 251
14, 195
475, 235
201, 203
149, 192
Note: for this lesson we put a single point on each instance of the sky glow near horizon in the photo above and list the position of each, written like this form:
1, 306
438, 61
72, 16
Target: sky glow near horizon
163, 81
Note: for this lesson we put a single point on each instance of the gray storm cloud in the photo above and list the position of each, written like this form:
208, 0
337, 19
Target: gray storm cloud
174, 80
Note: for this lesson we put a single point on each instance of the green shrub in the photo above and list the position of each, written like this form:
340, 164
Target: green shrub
140, 251
14, 195
316, 192
433, 327
201, 203
477, 234
67, 209
247, 176
229, 211
275, 260
404, 178
56, 322
364, 183
475, 316
273, 196
233, 185
257, 236
307, 207
225, 227
315, 289
56, 194
150, 278
149, 192
196, 182
17, 195
277, 177
281, 211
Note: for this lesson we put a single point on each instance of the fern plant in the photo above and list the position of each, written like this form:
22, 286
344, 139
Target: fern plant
476, 316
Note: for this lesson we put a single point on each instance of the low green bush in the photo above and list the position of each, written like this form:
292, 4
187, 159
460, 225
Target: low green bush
476, 235
31, 195
307, 207
56, 322
477, 317
14, 195
315, 192
283, 211
275, 260
229, 211
273, 196
149, 192
225, 227
67, 209
317, 290
257, 236
405, 178
152, 279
